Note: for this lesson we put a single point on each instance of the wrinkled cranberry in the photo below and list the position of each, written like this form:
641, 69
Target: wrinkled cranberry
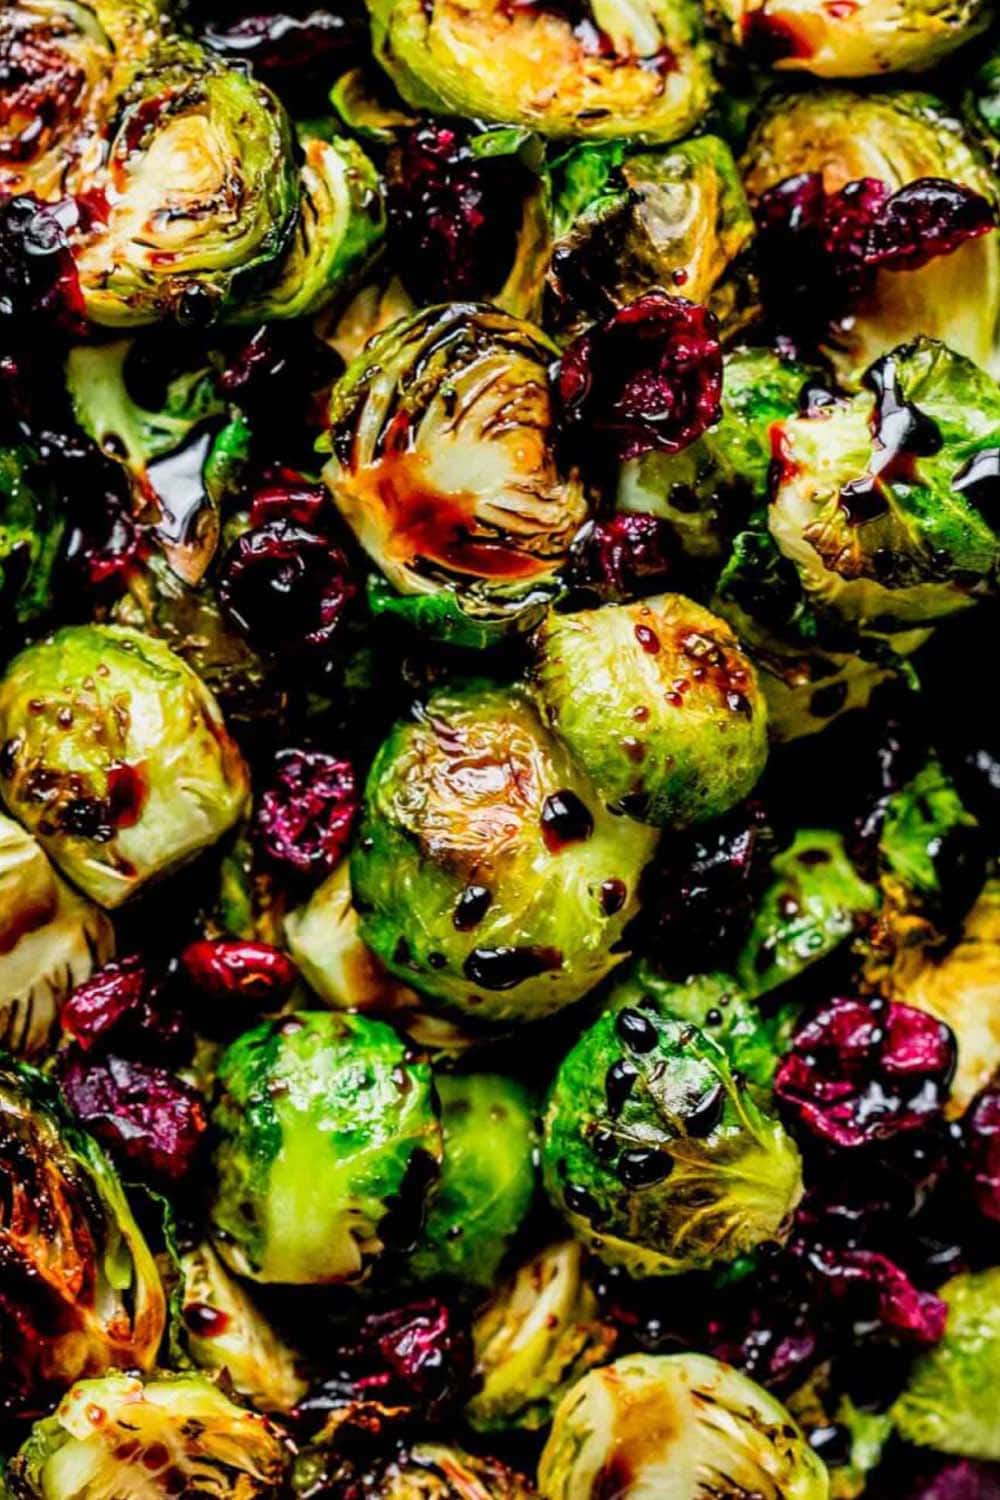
621, 557
648, 378
272, 368
242, 979
453, 218
304, 817
861, 1070
122, 1006
299, 502
873, 1289
286, 588
149, 1120
982, 1135
771, 1327
39, 286
296, 49
954, 1479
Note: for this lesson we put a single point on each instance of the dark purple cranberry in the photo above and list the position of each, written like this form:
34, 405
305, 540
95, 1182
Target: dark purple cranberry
982, 1137
122, 1006
621, 557
286, 588
304, 817
240, 980
39, 286
873, 1289
297, 50
149, 1120
291, 499
647, 379
862, 1070
954, 1479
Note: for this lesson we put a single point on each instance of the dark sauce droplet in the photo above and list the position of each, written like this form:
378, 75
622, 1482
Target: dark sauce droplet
579, 1201
644, 1167
503, 968
619, 1082
565, 820
204, 1321
636, 1030
902, 433
471, 907
978, 482
705, 1115
613, 895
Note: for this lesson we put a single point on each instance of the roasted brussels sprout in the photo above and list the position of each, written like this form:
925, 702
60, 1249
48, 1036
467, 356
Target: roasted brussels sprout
81, 1292
681, 1424
814, 903
324, 1127
443, 464
948, 1402
878, 501
487, 1178
117, 1438
658, 702
116, 756
204, 193
539, 1332
886, 139
51, 940
628, 70
422, 1471
225, 1332
891, 36
487, 872
658, 1154
857, 1437
626, 220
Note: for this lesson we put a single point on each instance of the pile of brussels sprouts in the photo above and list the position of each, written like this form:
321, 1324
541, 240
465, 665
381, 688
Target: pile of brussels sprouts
499, 757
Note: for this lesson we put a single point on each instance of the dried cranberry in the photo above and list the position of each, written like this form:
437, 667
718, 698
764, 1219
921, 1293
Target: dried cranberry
243, 979
621, 557
873, 1289
453, 217
123, 1006
861, 1070
954, 1479
294, 500
149, 1120
296, 50
39, 286
286, 588
982, 1136
304, 817
274, 366
648, 378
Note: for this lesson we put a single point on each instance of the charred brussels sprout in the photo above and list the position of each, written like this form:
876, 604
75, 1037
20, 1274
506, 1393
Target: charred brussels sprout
881, 503
883, 140
116, 756
629, 70
949, 1401
326, 1133
443, 464
539, 1332
682, 1425
658, 1154
422, 1471
487, 872
204, 193
889, 36
626, 220
658, 702
487, 1179
81, 1292
117, 1438
51, 940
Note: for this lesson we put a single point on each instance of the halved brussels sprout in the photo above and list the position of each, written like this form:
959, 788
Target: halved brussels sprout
639, 70
443, 464
116, 756
32, 526
657, 700
539, 1332
895, 138
887, 36
225, 1332
949, 1402
51, 940
682, 1425
879, 501
814, 903
487, 872
626, 220
202, 193
660, 1157
324, 1123
81, 1292
119, 1438
487, 1179
420, 1471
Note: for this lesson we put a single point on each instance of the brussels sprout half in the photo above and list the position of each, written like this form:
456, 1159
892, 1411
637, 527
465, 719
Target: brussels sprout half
682, 1425
487, 1179
119, 1439
539, 1332
487, 872
51, 940
658, 1154
642, 70
443, 464
82, 1294
203, 193
949, 1402
878, 37
115, 755
324, 1125
878, 501
897, 138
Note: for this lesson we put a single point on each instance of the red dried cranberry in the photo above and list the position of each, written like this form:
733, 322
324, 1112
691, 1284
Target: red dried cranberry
122, 1006
246, 978
297, 50
104, 546
649, 378
621, 557
304, 817
39, 286
274, 367
955, 1479
148, 1119
982, 1136
874, 1289
453, 218
292, 499
862, 1070
286, 588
